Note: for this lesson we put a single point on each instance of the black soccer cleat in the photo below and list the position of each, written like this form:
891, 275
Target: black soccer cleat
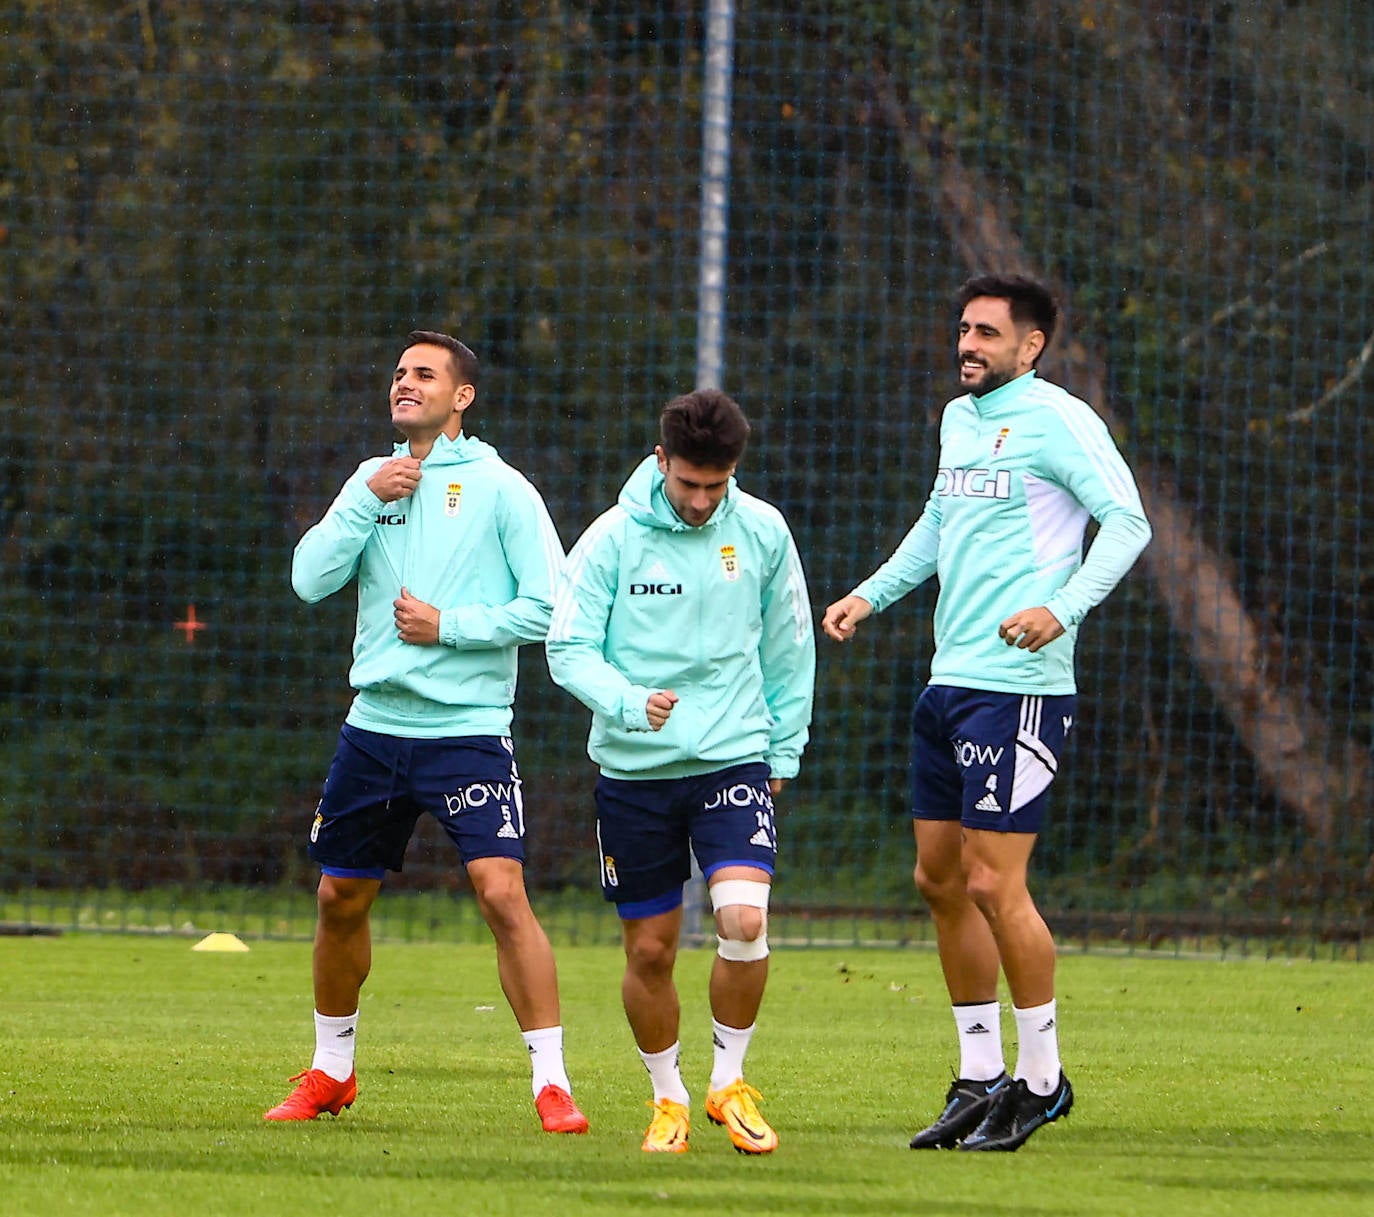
1017, 1113
966, 1104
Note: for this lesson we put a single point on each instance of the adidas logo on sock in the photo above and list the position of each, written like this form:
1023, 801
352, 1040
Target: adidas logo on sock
1049, 1026
977, 1029
715, 1039
988, 803
344, 1034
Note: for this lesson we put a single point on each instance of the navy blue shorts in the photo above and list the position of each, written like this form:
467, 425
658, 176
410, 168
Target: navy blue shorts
644, 831
379, 784
986, 759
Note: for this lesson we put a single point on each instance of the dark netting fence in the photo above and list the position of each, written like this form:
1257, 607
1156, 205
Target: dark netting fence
218, 222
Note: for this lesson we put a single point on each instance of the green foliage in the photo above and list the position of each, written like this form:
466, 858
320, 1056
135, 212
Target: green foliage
217, 222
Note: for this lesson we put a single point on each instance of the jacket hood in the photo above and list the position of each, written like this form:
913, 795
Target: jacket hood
643, 499
453, 451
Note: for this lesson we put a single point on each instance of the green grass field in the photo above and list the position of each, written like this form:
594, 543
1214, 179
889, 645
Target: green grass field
133, 1074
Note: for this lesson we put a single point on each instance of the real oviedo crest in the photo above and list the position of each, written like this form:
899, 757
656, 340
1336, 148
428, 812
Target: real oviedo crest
729, 563
453, 498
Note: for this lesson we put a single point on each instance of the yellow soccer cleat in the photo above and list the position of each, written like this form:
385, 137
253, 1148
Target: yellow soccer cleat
736, 1107
668, 1129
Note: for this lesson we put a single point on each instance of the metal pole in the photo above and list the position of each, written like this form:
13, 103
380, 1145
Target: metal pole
715, 188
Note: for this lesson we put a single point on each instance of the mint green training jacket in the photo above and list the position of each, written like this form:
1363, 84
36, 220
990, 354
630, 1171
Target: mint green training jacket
1021, 470
718, 613
475, 540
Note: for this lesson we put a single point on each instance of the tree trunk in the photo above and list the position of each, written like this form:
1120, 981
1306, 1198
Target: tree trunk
1318, 776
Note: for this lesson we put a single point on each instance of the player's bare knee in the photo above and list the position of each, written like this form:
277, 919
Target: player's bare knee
995, 897
648, 955
940, 890
342, 902
506, 910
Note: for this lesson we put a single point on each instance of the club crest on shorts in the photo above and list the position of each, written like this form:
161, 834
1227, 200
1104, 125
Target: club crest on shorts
316, 826
453, 499
729, 563
608, 865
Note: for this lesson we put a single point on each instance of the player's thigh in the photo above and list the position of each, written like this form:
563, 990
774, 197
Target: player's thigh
996, 864
939, 852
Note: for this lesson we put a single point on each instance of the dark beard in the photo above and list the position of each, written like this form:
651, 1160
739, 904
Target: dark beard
991, 381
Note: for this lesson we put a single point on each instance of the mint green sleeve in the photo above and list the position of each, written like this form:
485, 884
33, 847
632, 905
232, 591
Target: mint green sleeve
576, 642
1086, 462
531, 549
787, 658
327, 556
911, 564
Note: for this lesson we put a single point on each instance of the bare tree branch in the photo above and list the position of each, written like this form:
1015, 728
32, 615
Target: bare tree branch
1352, 377
1248, 303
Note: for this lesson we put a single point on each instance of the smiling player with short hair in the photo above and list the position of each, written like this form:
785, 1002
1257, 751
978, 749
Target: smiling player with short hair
455, 559
1023, 465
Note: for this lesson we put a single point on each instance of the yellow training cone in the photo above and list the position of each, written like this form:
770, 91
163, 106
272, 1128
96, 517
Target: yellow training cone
220, 942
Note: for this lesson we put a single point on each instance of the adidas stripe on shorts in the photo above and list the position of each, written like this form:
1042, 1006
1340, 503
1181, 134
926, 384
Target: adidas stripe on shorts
986, 759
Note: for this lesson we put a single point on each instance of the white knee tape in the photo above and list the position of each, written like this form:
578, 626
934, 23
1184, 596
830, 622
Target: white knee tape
741, 950
751, 894
739, 891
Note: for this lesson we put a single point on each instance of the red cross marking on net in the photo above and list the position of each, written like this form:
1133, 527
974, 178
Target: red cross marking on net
190, 626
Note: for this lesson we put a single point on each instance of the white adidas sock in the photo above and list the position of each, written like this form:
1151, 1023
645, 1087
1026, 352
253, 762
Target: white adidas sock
1037, 1060
980, 1041
334, 1042
665, 1075
546, 1059
730, 1045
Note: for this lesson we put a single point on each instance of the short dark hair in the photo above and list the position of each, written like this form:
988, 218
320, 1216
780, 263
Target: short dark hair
705, 428
465, 365
1032, 303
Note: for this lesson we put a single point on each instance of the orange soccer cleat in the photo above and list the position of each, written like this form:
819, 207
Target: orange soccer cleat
558, 1112
667, 1133
736, 1107
317, 1092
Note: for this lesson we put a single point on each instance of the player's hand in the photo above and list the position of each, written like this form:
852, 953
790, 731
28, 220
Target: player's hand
775, 786
659, 706
416, 622
843, 617
1030, 629
396, 479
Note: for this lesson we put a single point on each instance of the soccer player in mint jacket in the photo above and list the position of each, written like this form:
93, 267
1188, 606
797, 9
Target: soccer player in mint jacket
455, 560
1023, 465
682, 621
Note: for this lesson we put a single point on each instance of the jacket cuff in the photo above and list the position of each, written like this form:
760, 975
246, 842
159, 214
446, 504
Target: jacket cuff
784, 768
634, 711
1063, 613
